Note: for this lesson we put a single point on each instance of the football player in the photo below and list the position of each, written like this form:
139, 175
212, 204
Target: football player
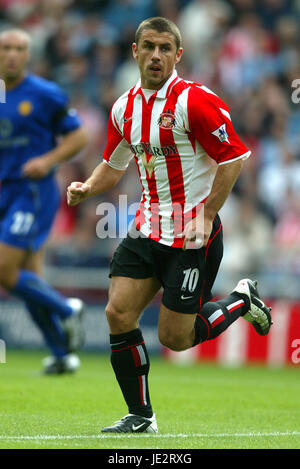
35, 113
188, 157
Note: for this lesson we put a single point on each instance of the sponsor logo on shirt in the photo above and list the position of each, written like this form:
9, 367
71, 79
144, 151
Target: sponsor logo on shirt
149, 165
146, 147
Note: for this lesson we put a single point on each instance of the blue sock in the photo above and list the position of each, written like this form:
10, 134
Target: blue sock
50, 328
33, 289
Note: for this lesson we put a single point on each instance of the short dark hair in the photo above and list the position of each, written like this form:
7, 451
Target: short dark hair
161, 25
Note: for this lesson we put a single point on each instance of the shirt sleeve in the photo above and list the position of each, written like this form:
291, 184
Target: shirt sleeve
63, 118
117, 153
210, 124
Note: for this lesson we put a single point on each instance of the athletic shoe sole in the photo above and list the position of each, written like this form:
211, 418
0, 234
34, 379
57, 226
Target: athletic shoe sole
259, 314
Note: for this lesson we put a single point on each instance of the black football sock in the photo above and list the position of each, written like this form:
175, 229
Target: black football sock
215, 317
130, 361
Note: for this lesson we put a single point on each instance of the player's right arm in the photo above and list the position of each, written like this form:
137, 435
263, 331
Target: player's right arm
103, 178
106, 175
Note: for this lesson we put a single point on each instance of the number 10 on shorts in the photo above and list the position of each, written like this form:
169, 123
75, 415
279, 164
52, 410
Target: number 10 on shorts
191, 277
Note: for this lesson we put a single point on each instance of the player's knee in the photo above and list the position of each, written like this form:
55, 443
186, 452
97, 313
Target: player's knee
172, 340
118, 319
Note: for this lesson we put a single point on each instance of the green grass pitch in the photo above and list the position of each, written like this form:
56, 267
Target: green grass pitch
197, 406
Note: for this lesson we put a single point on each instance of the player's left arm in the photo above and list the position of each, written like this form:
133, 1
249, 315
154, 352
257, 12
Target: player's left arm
210, 123
70, 144
224, 181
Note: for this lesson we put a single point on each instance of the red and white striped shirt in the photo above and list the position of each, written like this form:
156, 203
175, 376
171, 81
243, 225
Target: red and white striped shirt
178, 138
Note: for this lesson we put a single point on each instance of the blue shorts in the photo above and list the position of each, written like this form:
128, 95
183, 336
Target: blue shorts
27, 211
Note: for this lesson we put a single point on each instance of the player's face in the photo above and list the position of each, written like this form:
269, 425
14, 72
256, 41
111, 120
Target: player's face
156, 54
14, 55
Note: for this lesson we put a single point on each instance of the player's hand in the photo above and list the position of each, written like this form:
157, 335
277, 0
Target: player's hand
77, 192
196, 233
37, 168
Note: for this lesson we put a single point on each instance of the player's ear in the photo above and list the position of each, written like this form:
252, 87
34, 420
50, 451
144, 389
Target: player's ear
134, 50
178, 55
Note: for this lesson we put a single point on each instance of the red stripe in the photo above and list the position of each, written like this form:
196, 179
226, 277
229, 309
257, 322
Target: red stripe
171, 86
174, 168
208, 350
218, 320
114, 139
125, 348
128, 116
140, 214
257, 346
136, 356
147, 109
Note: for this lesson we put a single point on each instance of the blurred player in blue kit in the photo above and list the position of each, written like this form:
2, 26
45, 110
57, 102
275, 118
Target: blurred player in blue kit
34, 114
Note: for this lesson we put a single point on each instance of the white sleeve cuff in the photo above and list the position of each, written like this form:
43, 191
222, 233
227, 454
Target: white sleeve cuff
245, 156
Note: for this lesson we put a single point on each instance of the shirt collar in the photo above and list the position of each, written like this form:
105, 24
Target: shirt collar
164, 91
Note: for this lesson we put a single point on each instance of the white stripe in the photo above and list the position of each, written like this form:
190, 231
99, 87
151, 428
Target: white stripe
287, 433
225, 113
239, 302
141, 354
215, 315
136, 125
144, 389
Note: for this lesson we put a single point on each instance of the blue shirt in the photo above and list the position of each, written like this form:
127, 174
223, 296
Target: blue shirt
35, 113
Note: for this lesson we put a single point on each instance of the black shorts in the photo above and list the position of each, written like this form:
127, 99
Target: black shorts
187, 276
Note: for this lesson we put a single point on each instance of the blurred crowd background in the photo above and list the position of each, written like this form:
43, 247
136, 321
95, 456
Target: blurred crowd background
246, 51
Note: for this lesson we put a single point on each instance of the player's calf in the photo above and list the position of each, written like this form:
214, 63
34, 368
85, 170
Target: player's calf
10, 260
175, 329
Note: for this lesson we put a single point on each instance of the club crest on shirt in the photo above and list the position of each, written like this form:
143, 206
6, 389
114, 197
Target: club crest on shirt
221, 133
166, 120
25, 108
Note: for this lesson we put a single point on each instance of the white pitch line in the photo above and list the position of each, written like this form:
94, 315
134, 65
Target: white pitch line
149, 435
